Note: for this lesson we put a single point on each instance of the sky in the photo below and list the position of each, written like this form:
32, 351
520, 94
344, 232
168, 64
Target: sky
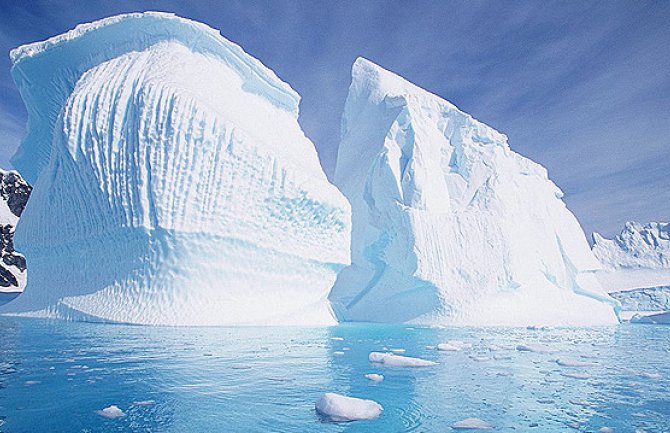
582, 87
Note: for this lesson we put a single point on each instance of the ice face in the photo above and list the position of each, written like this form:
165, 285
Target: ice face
449, 225
173, 184
636, 247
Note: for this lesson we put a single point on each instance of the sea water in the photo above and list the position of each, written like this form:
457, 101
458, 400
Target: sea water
57, 376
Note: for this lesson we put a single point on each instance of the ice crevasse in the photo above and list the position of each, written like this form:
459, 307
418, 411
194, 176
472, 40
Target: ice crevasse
450, 226
172, 182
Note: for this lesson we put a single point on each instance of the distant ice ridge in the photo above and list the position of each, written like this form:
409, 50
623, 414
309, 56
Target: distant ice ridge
173, 184
637, 246
449, 225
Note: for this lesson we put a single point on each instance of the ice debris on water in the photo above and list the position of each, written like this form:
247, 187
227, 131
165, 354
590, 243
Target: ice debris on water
340, 408
392, 360
112, 411
471, 424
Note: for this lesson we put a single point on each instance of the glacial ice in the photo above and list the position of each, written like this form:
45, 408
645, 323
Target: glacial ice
393, 360
340, 408
450, 226
172, 182
471, 424
112, 411
637, 269
637, 246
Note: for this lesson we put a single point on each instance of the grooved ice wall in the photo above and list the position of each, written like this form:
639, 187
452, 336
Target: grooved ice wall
172, 182
450, 226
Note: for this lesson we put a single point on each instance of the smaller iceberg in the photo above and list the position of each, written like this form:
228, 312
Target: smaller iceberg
340, 408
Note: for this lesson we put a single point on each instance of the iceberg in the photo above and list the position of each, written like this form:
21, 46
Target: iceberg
449, 225
637, 246
636, 269
172, 182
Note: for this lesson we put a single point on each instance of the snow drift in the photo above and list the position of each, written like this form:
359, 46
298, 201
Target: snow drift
449, 225
172, 182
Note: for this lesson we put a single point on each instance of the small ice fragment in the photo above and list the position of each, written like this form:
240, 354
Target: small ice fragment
339, 408
534, 347
471, 423
144, 403
32, 382
338, 353
566, 362
606, 430
374, 377
446, 347
398, 350
480, 358
430, 347
337, 338
112, 411
581, 376
654, 376
393, 360
240, 367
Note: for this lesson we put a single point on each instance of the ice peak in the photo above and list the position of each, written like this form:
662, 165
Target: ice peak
637, 246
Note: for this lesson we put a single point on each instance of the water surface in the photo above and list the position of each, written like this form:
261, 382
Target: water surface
55, 375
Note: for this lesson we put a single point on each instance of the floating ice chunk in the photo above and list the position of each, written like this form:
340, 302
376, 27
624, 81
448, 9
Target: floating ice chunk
112, 411
567, 362
453, 346
535, 347
337, 338
393, 360
340, 408
144, 403
398, 350
581, 376
471, 423
374, 377
480, 358
32, 382
654, 376
338, 353
606, 430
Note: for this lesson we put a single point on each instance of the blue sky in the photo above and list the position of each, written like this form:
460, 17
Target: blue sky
582, 87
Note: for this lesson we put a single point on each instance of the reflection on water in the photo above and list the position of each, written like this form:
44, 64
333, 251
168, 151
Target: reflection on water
54, 376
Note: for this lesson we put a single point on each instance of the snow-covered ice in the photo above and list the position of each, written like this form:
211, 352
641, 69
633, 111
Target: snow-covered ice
112, 411
374, 377
340, 408
453, 346
471, 424
535, 347
172, 182
393, 360
637, 246
568, 362
450, 226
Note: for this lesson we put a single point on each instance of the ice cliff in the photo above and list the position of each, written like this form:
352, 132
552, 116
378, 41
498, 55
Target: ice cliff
14, 193
172, 182
449, 225
637, 246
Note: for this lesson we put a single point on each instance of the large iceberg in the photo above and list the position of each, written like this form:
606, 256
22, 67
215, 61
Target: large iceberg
172, 182
449, 225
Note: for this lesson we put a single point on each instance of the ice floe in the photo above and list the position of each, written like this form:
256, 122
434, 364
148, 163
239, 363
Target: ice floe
374, 377
340, 408
112, 411
471, 423
393, 360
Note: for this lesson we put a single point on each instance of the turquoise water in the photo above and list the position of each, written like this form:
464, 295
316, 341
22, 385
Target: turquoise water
54, 376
